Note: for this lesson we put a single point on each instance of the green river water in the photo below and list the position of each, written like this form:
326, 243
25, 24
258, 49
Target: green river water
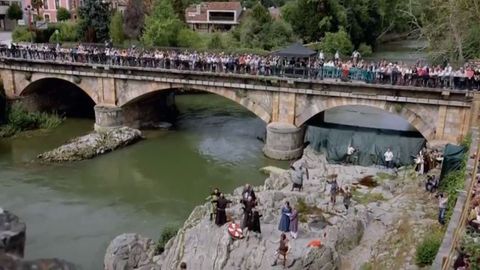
74, 210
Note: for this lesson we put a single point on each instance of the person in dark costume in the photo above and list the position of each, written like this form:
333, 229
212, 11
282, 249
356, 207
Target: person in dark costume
248, 192
222, 203
249, 204
255, 226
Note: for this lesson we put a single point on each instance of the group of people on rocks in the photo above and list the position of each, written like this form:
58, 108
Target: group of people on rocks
315, 67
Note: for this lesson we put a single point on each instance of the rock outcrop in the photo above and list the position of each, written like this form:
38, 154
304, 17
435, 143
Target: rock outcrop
12, 245
130, 251
12, 234
202, 244
92, 145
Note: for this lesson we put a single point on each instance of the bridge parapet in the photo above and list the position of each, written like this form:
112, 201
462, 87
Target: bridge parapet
438, 114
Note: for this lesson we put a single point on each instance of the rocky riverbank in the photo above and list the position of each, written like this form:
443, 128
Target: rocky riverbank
349, 238
12, 246
92, 145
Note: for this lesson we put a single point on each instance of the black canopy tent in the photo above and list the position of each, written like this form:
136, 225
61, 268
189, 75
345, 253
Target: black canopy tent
295, 50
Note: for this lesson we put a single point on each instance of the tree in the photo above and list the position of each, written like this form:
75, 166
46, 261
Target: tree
179, 7
189, 39
451, 27
116, 30
259, 30
134, 18
63, 14
94, 20
215, 42
37, 4
337, 41
310, 19
14, 12
162, 26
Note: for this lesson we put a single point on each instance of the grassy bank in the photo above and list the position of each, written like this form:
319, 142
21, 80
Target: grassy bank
18, 119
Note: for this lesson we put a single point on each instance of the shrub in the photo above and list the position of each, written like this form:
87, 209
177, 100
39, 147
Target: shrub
215, 42
19, 119
365, 50
189, 39
63, 14
428, 248
337, 41
167, 234
67, 32
22, 34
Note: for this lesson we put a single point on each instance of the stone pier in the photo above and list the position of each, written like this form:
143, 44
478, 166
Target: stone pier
284, 141
107, 117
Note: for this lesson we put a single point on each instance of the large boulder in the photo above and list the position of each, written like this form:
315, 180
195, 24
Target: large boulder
12, 234
8, 262
129, 251
323, 258
93, 144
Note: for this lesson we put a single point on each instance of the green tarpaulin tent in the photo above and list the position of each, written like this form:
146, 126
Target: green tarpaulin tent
371, 143
452, 159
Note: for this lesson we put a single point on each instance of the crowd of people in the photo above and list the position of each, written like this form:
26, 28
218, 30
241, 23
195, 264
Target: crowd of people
314, 68
289, 215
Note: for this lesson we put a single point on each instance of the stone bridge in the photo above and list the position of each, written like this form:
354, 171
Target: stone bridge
285, 104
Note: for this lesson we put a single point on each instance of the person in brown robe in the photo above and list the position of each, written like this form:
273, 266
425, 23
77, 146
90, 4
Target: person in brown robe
222, 203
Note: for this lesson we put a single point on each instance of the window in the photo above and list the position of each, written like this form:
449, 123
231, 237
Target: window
57, 4
45, 4
221, 16
47, 17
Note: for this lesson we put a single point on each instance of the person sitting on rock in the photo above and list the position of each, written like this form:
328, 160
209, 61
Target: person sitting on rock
282, 250
222, 203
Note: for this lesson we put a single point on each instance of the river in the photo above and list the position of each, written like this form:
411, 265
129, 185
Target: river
74, 210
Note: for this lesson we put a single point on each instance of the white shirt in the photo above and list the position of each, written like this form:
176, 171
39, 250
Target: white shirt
388, 155
350, 150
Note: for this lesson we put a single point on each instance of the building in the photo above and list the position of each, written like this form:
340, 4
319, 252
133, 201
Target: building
120, 5
50, 7
5, 23
213, 16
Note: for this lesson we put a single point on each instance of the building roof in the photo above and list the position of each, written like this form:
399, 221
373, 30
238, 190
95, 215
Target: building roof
199, 12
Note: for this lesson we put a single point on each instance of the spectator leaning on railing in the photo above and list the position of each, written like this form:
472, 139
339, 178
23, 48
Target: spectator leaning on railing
314, 68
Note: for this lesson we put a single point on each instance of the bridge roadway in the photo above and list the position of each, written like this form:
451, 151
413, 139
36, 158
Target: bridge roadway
285, 104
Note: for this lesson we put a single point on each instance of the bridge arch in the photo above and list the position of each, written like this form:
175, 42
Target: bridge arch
26, 86
421, 117
128, 96
60, 94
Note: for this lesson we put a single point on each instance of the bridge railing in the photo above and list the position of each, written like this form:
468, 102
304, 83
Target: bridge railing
303, 72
